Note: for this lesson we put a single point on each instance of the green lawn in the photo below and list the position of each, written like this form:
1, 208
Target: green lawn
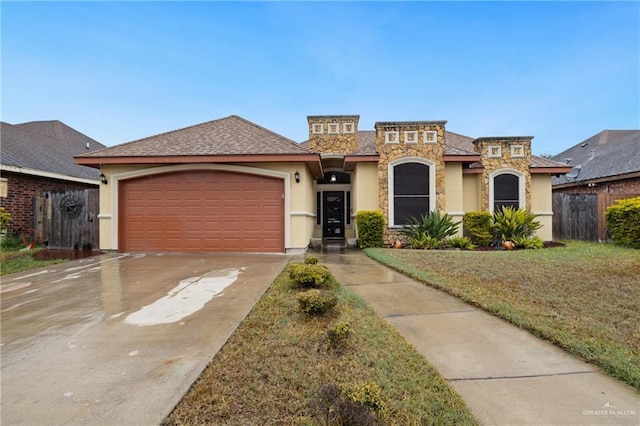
584, 297
12, 262
272, 369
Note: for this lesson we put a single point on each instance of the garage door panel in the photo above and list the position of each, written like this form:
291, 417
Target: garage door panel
202, 211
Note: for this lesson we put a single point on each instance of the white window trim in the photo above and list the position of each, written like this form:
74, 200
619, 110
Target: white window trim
414, 133
345, 128
426, 140
522, 198
387, 136
497, 154
333, 125
390, 182
319, 126
513, 151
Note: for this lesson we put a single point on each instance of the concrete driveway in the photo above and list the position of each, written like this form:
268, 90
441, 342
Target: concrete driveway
119, 338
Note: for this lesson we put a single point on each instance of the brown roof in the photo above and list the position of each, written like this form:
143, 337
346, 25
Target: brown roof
231, 135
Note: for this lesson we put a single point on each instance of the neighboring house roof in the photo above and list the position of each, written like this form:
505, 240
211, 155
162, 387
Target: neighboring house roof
46, 148
609, 154
231, 135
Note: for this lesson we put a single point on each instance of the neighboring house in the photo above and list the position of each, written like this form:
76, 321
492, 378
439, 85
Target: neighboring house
231, 185
37, 157
605, 168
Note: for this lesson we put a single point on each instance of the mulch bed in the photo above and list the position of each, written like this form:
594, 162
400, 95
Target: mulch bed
50, 254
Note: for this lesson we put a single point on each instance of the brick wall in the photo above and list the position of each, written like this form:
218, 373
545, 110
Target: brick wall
21, 192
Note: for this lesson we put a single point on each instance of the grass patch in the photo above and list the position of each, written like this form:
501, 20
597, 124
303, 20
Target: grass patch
12, 262
280, 363
584, 297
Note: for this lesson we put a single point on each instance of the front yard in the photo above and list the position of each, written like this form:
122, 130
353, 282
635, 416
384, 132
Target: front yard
584, 297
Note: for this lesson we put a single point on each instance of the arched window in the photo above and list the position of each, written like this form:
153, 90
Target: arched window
507, 190
411, 189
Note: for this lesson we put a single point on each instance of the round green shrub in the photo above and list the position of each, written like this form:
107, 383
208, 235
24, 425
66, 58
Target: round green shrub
311, 260
308, 275
623, 221
316, 302
370, 225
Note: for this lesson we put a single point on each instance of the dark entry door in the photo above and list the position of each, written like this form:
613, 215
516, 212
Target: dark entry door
333, 214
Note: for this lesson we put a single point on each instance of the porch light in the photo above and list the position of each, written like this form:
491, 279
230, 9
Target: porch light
297, 176
103, 179
333, 178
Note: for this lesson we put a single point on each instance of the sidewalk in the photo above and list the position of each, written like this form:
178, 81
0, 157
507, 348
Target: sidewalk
506, 375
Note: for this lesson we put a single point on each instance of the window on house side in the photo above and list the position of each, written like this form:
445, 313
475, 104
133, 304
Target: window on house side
506, 191
410, 191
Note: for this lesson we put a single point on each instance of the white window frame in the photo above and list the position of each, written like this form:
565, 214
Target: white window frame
315, 127
425, 136
390, 184
514, 148
333, 128
345, 128
494, 151
522, 181
391, 136
413, 133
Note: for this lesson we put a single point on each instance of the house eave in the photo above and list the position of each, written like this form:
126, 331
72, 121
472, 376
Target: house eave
46, 174
311, 160
461, 158
550, 170
350, 161
597, 180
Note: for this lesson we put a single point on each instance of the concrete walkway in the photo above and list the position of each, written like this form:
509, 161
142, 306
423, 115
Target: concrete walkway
506, 375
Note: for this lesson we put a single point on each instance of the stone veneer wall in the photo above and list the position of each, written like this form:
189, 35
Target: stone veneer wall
505, 161
344, 141
390, 152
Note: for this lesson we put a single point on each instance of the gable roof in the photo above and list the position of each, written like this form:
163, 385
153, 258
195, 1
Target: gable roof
231, 135
46, 146
607, 154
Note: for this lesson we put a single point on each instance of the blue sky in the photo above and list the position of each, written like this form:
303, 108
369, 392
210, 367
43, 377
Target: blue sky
120, 71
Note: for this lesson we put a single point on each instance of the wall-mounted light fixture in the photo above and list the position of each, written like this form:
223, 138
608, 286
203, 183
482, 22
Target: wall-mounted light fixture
297, 176
103, 179
333, 178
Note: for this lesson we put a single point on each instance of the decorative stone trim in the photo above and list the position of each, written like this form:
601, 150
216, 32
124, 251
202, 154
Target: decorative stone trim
411, 136
348, 128
334, 128
317, 128
430, 136
391, 137
517, 151
494, 152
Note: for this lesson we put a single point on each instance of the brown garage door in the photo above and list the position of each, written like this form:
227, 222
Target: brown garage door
201, 211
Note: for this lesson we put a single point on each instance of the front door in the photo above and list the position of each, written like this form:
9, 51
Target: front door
333, 214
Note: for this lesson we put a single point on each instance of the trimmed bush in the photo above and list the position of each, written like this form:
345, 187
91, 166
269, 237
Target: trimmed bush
311, 260
623, 220
370, 225
335, 408
478, 227
368, 394
308, 275
509, 223
338, 334
316, 302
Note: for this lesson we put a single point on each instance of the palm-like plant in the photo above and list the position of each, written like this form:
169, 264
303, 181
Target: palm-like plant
510, 224
430, 230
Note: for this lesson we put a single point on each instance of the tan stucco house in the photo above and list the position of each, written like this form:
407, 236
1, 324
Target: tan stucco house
231, 185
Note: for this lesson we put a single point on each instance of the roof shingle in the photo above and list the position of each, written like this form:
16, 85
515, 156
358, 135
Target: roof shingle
46, 146
231, 135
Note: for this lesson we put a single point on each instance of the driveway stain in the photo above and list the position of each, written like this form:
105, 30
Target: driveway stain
188, 297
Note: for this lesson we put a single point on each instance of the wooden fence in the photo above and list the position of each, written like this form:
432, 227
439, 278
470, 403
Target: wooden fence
581, 216
68, 220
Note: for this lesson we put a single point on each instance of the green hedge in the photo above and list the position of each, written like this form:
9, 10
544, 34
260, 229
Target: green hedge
478, 227
623, 220
370, 228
